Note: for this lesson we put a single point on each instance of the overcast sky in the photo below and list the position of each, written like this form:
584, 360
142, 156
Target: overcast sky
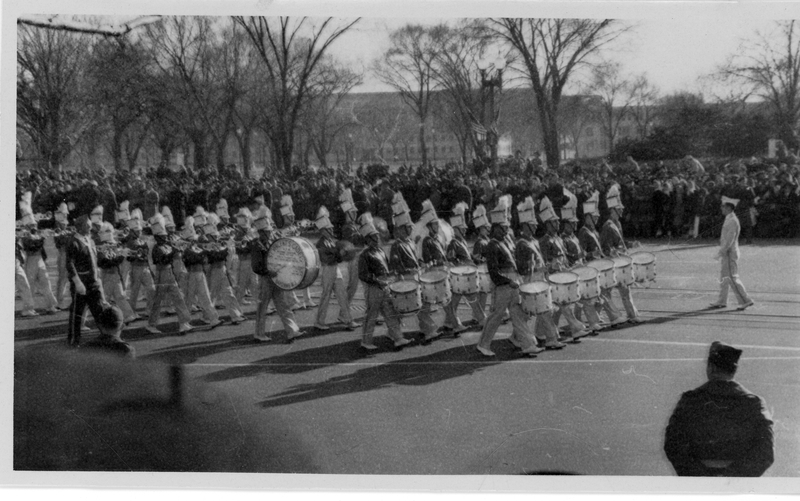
674, 52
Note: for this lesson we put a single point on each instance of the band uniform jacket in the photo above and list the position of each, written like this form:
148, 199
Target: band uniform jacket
138, 250
528, 256
458, 253
82, 260
33, 244
373, 265
611, 238
499, 260
258, 256
590, 243
479, 250
351, 234
554, 253
720, 421
573, 248
403, 258
432, 251
729, 238
328, 252
109, 257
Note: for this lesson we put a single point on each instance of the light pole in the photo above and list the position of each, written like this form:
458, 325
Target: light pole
491, 79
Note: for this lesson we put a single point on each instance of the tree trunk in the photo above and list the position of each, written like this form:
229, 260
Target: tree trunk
244, 146
116, 148
422, 149
198, 141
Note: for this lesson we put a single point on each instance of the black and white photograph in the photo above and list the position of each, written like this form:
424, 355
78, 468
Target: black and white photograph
426, 246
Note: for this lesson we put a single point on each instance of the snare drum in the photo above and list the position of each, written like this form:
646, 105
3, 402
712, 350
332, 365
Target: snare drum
485, 283
605, 272
405, 296
588, 282
295, 261
464, 280
435, 287
535, 298
644, 267
564, 288
623, 269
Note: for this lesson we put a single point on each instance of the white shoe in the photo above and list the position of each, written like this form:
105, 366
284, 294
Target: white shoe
532, 350
746, 305
294, 335
262, 339
152, 329
581, 333
635, 320
184, 329
321, 327
401, 342
484, 351
29, 313
369, 346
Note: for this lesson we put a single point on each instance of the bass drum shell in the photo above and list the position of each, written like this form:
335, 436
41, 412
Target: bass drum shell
295, 260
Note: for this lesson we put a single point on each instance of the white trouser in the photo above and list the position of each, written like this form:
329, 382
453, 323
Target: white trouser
197, 293
21, 281
506, 298
39, 279
268, 291
333, 280
729, 279
112, 288
220, 287
141, 277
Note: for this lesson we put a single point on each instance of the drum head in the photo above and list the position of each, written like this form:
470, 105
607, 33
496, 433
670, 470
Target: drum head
534, 287
433, 277
601, 264
403, 286
643, 258
482, 268
286, 257
563, 278
463, 270
585, 272
622, 261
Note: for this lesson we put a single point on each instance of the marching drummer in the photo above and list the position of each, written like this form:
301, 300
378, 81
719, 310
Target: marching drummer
575, 257
290, 229
403, 262
140, 275
531, 268
267, 290
481, 224
613, 245
244, 234
350, 234
458, 255
36, 256
331, 255
589, 240
503, 272
194, 259
178, 268
109, 257
166, 285
555, 257
374, 272
219, 282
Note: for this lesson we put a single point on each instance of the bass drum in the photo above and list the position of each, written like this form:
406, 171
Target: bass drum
295, 261
420, 231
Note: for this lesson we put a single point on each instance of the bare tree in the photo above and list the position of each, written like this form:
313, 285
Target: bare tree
407, 67
94, 27
550, 51
616, 93
575, 114
51, 103
643, 106
291, 50
769, 65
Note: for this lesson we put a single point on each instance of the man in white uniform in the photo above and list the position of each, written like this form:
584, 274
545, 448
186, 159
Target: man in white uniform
729, 256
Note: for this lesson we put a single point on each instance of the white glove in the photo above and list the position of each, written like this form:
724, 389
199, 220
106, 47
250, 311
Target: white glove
80, 288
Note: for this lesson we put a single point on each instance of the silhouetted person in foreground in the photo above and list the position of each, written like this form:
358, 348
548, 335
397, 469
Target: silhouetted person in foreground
720, 429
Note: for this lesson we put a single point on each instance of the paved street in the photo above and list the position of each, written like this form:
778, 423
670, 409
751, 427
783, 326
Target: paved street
596, 408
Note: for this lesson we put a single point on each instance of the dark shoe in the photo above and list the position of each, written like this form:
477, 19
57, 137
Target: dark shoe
745, 306
715, 306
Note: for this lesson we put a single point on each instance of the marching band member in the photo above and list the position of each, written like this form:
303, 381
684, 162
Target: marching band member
61, 237
729, 255
330, 255
219, 283
21, 281
403, 262
267, 290
503, 272
373, 271
244, 234
36, 256
226, 231
166, 285
194, 258
138, 251
96, 217
575, 257
109, 257
589, 240
121, 217
613, 245
178, 268
531, 268
458, 255
481, 224
351, 234
84, 285
555, 257
291, 230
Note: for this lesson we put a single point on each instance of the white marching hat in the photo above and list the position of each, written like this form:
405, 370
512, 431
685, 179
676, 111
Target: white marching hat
499, 215
527, 211
136, 222
157, 225
188, 228
732, 201
107, 233
96, 216
346, 201
200, 216
458, 221
613, 200
222, 208
366, 226
123, 213
210, 228
244, 216
590, 206
399, 204
25, 210
546, 212
570, 210
168, 219
286, 206
262, 220
323, 219
62, 213
479, 217
428, 213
